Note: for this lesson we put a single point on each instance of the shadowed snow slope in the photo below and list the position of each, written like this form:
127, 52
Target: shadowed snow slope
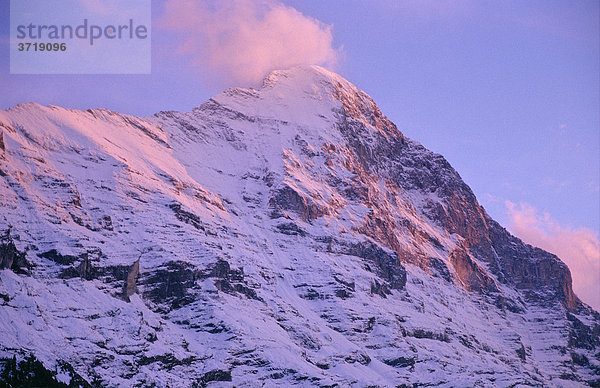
289, 235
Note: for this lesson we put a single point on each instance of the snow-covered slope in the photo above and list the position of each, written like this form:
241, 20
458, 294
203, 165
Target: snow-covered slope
289, 235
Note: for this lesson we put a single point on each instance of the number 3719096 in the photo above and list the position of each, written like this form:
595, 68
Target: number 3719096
42, 46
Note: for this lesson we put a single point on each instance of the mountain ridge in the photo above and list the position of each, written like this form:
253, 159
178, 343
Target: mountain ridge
290, 232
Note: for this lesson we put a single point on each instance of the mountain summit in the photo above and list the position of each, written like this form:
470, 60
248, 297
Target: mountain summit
289, 235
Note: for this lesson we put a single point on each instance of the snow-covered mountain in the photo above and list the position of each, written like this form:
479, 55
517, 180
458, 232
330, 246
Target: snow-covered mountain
289, 235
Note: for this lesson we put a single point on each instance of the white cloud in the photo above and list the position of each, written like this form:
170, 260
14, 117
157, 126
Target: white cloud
242, 40
579, 248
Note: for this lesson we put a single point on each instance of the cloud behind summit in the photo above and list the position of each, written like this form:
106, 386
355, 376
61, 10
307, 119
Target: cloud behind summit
240, 41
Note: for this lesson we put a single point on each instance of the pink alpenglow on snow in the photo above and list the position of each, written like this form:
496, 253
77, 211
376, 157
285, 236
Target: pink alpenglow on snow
285, 235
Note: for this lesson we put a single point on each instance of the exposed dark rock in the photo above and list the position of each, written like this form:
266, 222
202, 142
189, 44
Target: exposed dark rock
187, 217
368, 326
56, 257
531, 268
171, 284
305, 147
412, 167
231, 280
467, 341
522, 353
334, 385
348, 285
358, 110
322, 365
123, 276
473, 276
580, 359
380, 289
106, 223
343, 293
401, 362
389, 267
11, 257
215, 375
288, 199
221, 269
85, 269
595, 383
168, 361
5, 297
291, 229
225, 286
581, 336
312, 294
440, 269
360, 357
175, 284
504, 303
423, 333
214, 329
30, 372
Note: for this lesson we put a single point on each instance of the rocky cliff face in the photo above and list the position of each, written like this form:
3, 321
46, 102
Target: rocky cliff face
287, 235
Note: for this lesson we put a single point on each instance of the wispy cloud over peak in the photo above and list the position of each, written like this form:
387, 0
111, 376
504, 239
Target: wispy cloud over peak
242, 40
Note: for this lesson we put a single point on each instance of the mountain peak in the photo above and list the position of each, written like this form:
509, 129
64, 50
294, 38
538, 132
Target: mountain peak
284, 235
309, 96
303, 75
